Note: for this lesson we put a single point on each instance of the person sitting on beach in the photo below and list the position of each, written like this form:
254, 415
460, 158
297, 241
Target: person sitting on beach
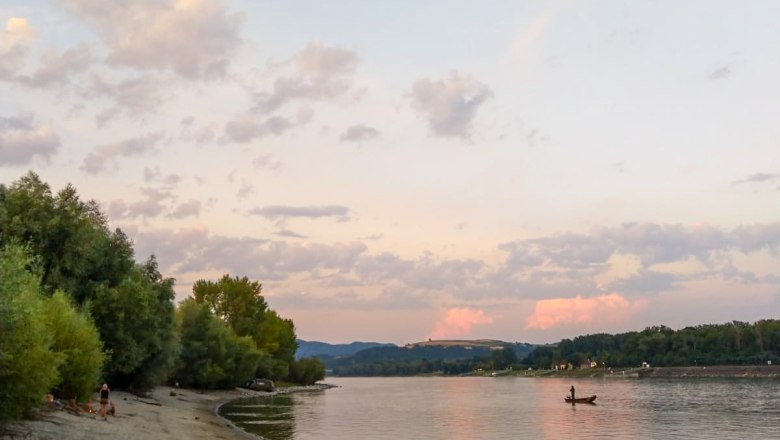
104, 393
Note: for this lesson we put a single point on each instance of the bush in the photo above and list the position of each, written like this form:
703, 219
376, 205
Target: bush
28, 366
307, 371
77, 340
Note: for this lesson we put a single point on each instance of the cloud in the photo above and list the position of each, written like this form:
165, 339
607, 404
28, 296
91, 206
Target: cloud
280, 212
450, 104
153, 204
316, 72
15, 41
56, 67
720, 73
21, 140
612, 308
135, 96
197, 250
190, 208
357, 133
154, 175
266, 162
458, 322
193, 38
759, 178
247, 127
245, 191
289, 233
103, 156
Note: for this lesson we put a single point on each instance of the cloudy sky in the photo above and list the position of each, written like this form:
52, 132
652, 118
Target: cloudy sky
393, 171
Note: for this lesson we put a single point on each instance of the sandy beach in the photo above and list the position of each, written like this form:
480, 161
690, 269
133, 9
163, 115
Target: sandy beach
162, 416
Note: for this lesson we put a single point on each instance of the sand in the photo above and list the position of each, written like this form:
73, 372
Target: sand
186, 415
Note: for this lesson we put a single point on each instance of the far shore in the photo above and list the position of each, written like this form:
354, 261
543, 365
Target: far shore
713, 371
165, 414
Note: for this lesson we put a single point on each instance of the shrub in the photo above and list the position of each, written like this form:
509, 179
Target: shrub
28, 366
77, 340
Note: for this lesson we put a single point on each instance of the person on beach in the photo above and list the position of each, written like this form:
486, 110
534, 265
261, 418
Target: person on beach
571, 390
104, 393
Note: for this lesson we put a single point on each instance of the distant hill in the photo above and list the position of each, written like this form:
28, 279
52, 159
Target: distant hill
323, 349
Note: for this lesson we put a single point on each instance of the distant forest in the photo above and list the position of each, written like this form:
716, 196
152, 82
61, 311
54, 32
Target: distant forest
735, 343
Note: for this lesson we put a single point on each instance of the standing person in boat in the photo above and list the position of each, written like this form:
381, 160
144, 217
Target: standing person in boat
572, 392
104, 393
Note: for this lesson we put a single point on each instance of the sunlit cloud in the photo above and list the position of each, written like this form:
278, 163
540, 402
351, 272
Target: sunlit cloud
612, 308
458, 322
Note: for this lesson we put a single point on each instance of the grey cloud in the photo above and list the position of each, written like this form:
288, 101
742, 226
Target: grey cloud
720, 73
382, 267
153, 204
318, 72
56, 67
450, 104
198, 250
266, 162
135, 96
447, 274
21, 140
245, 191
247, 127
277, 212
649, 281
289, 233
759, 178
189, 208
154, 175
357, 133
195, 39
101, 157
758, 237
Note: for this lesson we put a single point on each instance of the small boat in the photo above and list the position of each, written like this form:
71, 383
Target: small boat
581, 399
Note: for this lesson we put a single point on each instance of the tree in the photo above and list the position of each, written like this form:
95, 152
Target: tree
28, 366
307, 371
136, 323
212, 356
240, 304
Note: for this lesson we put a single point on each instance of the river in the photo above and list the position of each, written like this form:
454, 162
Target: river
466, 408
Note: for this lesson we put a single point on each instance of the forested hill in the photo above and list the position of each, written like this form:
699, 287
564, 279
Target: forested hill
450, 357
323, 349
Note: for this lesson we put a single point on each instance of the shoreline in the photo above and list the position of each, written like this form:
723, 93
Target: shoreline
165, 414
690, 372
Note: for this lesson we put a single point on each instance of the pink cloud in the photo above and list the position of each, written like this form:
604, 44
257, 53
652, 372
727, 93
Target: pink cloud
458, 322
612, 309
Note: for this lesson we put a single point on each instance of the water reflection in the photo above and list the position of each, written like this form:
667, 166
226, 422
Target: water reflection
272, 418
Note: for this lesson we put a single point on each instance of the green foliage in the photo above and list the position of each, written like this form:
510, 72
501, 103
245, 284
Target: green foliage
719, 344
77, 251
212, 356
78, 342
136, 323
28, 366
239, 303
307, 371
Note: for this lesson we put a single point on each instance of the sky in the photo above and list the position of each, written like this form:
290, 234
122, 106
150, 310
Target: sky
397, 171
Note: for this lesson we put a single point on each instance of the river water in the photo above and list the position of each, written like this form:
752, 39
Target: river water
468, 408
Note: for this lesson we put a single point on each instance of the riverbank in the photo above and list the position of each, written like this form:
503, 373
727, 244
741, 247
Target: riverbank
166, 414
719, 371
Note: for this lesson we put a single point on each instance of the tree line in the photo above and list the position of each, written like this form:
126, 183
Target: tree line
77, 309
735, 343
